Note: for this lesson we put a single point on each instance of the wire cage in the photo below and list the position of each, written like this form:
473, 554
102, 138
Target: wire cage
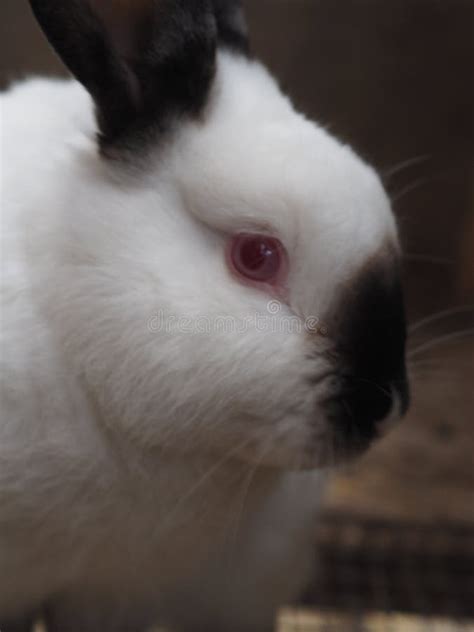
369, 572
334, 622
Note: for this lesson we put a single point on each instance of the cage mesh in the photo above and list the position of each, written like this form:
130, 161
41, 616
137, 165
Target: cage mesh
385, 567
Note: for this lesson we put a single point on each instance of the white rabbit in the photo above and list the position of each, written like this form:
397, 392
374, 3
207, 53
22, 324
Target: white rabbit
201, 313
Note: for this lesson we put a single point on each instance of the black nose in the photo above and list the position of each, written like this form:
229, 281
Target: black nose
370, 339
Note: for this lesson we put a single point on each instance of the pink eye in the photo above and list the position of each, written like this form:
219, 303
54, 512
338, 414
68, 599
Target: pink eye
258, 258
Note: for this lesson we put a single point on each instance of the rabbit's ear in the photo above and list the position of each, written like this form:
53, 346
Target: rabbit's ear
231, 24
143, 61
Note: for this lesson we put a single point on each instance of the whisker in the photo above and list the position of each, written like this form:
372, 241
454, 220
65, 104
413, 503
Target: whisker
436, 368
433, 363
410, 188
200, 483
411, 162
247, 484
372, 383
430, 373
241, 503
440, 316
441, 340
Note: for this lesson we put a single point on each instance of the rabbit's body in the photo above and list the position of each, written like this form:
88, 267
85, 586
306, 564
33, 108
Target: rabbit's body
86, 516
150, 459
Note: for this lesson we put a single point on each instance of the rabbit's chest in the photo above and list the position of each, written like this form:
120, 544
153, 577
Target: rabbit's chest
203, 544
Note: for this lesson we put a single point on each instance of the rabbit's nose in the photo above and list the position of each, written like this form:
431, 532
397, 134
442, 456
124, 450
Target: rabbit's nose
369, 333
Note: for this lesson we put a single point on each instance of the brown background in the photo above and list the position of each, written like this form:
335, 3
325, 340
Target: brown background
395, 79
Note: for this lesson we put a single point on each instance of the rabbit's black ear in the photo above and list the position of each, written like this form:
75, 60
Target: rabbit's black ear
231, 24
143, 61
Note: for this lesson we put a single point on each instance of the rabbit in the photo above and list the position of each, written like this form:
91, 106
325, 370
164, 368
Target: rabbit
202, 316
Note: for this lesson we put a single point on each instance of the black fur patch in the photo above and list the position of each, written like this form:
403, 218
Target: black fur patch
144, 67
231, 25
368, 328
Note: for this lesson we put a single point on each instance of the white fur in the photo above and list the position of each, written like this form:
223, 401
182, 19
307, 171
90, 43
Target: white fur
141, 470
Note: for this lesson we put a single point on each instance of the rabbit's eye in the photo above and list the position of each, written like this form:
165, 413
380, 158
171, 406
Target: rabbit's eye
258, 258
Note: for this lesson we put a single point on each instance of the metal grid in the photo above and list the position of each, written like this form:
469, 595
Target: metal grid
387, 567
335, 622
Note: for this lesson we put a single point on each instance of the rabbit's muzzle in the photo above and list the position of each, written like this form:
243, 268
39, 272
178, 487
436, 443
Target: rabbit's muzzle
369, 334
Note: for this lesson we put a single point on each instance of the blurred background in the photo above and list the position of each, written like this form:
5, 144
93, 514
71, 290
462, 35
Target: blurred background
396, 80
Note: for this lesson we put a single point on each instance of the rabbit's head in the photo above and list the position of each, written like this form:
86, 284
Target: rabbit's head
235, 272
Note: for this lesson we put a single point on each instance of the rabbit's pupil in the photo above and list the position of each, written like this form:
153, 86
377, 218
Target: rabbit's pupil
257, 257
